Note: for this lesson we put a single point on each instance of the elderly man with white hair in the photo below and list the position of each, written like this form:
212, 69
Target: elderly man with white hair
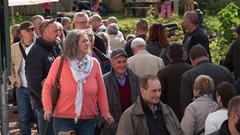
143, 63
116, 41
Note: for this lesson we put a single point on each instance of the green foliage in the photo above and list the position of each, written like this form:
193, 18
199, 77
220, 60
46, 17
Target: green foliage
16, 19
150, 16
228, 18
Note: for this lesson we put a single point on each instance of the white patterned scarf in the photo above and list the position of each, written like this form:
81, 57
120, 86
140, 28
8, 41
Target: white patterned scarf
80, 70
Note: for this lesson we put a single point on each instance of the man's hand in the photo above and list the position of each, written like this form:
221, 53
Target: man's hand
17, 84
109, 119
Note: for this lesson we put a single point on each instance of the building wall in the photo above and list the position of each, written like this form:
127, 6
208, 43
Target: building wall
63, 6
113, 5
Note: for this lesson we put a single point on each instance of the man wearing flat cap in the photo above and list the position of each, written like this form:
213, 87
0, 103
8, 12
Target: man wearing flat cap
19, 51
122, 89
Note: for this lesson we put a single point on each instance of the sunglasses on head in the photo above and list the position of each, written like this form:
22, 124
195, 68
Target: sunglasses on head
30, 29
48, 23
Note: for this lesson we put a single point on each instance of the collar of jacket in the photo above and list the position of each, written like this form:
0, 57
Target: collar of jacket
177, 61
202, 62
45, 44
194, 31
142, 52
127, 73
138, 109
224, 128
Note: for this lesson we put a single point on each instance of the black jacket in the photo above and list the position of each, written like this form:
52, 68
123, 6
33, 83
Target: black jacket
216, 72
223, 129
196, 37
170, 78
232, 58
38, 63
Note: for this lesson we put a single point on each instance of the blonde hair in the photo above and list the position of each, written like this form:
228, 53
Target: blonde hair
204, 83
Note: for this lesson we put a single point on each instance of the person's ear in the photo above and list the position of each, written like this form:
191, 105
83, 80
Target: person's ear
195, 92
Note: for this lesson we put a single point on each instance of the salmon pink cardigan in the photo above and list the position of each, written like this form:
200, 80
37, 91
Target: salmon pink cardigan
94, 92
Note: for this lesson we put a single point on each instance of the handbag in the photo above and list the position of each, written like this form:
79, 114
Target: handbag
56, 86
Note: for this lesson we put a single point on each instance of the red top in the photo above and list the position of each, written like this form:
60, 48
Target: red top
93, 91
125, 94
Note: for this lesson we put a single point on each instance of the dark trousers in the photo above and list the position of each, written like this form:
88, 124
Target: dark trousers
45, 127
24, 110
82, 127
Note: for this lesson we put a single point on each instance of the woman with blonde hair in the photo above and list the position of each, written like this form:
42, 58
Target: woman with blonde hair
195, 114
82, 89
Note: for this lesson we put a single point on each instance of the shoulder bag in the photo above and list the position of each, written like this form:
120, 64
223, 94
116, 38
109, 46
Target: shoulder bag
56, 86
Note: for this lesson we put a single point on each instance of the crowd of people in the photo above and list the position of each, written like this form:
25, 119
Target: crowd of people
111, 84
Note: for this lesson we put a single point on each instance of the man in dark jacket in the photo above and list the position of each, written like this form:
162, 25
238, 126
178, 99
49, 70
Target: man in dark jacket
194, 35
141, 31
200, 61
149, 116
232, 60
122, 89
81, 22
170, 78
232, 125
38, 63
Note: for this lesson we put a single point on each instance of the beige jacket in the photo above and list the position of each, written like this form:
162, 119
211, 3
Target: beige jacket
16, 61
144, 63
196, 114
134, 122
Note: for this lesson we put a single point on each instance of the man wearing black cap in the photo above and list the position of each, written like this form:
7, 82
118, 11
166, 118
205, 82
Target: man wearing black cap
122, 89
18, 79
38, 63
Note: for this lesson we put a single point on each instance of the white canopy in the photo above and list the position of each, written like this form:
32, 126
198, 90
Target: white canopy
28, 2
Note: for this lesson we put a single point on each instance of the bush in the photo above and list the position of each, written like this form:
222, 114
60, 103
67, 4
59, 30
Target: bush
229, 19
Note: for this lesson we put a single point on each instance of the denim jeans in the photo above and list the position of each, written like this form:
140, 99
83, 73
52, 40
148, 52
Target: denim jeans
45, 127
24, 109
83, 127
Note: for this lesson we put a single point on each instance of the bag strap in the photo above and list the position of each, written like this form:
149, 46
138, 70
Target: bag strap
22, 50
59, 69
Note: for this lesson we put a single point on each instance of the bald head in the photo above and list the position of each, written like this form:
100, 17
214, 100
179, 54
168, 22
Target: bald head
49, 30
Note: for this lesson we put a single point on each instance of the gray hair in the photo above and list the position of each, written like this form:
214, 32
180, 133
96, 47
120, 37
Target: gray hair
71, 44
96, 18
64, 20
35, 17
193, 17
112, 19
80, 14
112, 29
138, 42
15, 28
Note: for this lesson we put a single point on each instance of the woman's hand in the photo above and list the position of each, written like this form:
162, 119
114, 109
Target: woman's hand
47, 115
109, 119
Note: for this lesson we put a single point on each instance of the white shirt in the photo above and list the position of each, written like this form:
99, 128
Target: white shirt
22, 68
215, 120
